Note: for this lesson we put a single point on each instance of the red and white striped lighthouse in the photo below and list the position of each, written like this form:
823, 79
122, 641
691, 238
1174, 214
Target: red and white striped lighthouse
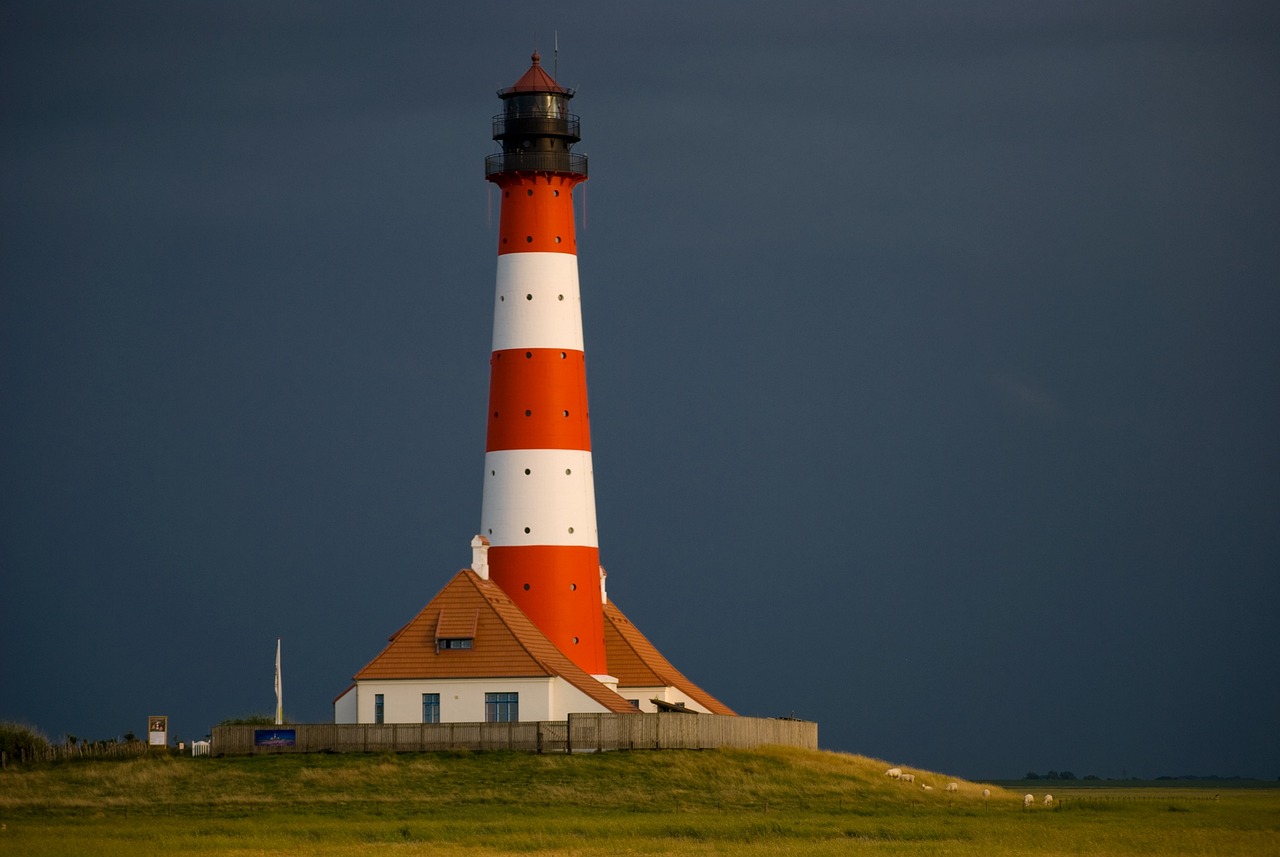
539, 512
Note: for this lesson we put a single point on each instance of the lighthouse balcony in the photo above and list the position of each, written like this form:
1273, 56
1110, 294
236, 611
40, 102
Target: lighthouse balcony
535, 162
536, 124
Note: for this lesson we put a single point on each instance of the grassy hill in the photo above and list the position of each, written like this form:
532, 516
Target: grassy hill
770, 801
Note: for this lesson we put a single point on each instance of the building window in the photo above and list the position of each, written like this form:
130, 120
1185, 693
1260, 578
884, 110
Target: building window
501, 707
379, 708
430, 708
454, 643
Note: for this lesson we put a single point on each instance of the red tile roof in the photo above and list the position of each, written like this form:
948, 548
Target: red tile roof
507, 643
635, 662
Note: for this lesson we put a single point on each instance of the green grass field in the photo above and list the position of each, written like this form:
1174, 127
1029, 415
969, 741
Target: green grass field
765, 802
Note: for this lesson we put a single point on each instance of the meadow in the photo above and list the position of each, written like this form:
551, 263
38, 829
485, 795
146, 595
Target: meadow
771, 801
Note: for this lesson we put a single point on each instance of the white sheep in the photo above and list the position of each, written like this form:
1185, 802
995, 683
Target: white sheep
927, 788
986, 793
893, 772
1048, 800
953, 787
1027, 800
908, 778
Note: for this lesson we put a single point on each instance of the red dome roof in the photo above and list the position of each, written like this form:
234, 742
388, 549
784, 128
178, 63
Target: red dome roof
535, 79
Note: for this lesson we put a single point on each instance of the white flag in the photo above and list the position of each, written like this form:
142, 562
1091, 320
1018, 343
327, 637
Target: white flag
279, 690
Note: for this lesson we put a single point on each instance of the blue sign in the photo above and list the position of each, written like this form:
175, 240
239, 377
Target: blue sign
275, 737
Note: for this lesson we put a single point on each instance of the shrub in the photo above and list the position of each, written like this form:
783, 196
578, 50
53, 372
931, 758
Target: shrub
15, 738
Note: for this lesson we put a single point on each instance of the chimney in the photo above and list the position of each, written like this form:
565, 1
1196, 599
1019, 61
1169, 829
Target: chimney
480, 556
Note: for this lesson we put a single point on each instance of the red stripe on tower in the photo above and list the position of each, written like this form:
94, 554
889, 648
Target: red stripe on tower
539, 496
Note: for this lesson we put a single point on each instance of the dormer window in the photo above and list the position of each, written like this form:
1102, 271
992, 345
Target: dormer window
456, 629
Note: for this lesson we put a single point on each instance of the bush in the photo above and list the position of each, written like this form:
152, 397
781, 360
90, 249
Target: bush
15, 739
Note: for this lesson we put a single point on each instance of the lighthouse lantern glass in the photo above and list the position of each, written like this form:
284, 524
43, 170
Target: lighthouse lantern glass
542, 105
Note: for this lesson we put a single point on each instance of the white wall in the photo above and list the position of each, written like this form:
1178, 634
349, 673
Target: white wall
344, 707
666, 694
462, 700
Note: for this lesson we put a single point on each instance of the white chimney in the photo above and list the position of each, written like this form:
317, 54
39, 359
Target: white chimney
480, 556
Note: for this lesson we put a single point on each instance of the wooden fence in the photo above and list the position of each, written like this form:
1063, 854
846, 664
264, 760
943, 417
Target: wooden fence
600, 732
580, 733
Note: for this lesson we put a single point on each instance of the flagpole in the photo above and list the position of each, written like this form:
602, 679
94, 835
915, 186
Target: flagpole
279, 689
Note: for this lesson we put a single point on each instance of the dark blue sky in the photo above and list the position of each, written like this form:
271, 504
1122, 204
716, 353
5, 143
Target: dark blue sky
933, 358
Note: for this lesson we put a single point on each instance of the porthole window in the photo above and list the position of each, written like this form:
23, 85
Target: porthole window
502, 298
571, 529
575, 641
495, 415
563, 355
528, 239
526, 587
529, 193
528, 413
557, 239
559, 297
493, 473
526, 529
555, 193
506, 193
573, 587
528, 297
528, 355
527, 471
566, 413
567, 471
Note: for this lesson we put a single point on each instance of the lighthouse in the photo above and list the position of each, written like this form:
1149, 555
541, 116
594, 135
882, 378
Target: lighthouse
538, 512
528, 632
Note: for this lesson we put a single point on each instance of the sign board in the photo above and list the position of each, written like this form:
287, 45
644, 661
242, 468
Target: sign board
275, 737
158, 731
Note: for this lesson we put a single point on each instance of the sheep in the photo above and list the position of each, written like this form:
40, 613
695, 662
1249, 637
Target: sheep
1027, 800
986, 793
1048, 800
927, 788
893, 772
908, 778
953, 787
